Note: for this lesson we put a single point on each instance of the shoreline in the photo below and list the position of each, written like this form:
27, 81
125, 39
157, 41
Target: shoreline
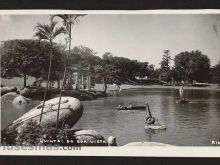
127, 87
97, 91
17, 82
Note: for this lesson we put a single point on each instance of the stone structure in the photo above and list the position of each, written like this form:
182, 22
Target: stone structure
80, 78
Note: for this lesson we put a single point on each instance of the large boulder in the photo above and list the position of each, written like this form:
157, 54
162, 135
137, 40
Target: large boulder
112, 141
70, 112
5, 90
20, 100
8, 97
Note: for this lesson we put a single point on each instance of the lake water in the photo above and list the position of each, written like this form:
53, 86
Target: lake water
193, 124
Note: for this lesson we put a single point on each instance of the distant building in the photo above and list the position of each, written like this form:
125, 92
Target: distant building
80, 78
77, 78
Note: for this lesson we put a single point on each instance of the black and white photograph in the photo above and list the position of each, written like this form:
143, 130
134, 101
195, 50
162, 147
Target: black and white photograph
110, 79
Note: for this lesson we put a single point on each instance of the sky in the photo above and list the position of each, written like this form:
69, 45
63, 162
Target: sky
141, 37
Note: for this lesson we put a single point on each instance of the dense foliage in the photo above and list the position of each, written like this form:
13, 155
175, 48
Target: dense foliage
22, 58
192, 66
215, 74
34, 134
165, 66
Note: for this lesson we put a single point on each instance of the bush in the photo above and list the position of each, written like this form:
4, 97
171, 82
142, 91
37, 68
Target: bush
8, 136
34, 134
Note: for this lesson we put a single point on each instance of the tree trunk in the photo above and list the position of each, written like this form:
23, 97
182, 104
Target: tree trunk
25, 80
105, 86
58, 84
64, 76
48, 78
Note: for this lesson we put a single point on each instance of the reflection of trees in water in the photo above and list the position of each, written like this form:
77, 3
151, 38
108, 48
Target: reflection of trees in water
214, 108
174, 92
150, 133
217, 111
215, 94
197, 94
165, 108
200, 110
192, 115
10, 112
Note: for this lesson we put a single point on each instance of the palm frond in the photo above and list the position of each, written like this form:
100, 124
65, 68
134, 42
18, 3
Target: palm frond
75, 18
41, 36
40, 33
58, 31
69, 18
52, 25
44, 27
64, 17
47, 32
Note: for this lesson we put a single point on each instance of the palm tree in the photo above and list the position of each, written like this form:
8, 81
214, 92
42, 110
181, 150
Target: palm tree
68, 21
48, 33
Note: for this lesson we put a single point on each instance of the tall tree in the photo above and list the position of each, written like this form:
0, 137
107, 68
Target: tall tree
68, 20
193, 66
107, 73
49, 33
215, 73
165, 65
151, 72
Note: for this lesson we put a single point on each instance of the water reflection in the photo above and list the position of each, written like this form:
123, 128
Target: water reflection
10, 111
150, 133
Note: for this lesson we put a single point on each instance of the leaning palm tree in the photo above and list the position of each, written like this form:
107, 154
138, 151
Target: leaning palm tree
48, 33
68, 21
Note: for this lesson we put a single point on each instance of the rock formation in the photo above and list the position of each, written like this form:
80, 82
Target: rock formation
5, 90
21, 100
70, 112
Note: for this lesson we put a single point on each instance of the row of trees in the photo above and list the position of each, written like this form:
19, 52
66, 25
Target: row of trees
121, 70
22, 58
109, 68
188, 67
